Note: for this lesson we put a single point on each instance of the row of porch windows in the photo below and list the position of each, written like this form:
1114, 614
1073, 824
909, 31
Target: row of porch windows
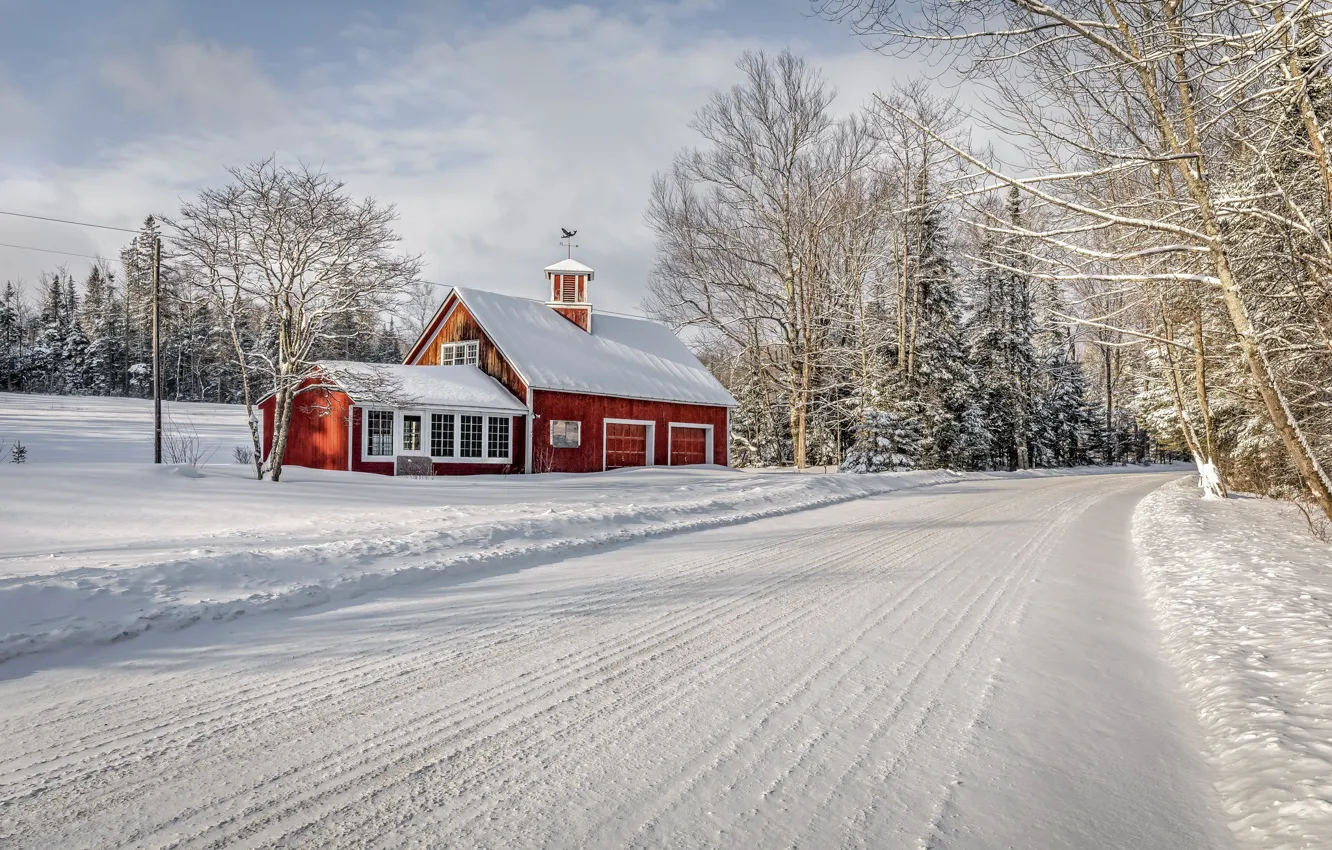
452, 435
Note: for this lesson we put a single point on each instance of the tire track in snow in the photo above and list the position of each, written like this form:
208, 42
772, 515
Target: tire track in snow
708, 624
473, 732
895, 692
922, 658
946, 718
136, 759
136, 756
652, 701
428, 648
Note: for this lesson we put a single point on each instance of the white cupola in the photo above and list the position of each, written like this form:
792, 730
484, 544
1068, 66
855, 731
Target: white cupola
569, 281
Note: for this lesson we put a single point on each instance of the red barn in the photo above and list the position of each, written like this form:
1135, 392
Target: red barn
498, 383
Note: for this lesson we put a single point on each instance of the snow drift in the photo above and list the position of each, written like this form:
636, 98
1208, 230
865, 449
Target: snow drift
1243, 595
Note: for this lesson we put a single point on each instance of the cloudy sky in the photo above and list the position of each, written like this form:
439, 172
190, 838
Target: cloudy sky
489, 124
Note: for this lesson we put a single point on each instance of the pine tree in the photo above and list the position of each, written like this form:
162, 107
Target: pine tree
1002, 347
10, 339
1063, 415
46, 363
137, 260
886, 436
100, 317
941, 384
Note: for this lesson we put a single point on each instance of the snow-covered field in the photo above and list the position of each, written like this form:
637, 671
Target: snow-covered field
80, 429
95, 550
1244, 595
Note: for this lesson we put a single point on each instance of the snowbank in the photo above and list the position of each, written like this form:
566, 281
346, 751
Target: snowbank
161, 549
1243, 594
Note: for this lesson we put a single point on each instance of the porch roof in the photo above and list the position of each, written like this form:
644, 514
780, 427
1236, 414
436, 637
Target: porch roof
397, 386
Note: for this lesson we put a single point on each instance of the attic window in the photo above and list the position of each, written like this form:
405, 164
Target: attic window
459, 353
569, 288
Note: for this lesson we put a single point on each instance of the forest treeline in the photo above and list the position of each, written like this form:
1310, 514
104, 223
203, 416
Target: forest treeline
834, 270
1148, 251
93, 335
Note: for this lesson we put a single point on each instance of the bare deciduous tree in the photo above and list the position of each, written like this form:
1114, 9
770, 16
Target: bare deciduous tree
745, 224
293, 245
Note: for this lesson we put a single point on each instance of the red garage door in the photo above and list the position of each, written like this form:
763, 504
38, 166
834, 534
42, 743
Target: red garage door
626, 445
688, 445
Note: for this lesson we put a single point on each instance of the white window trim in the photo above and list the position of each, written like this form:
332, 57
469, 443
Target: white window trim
550, 437
670, 434
400, 431
651, 448
366, 457
425, 414
470, 347
351, 435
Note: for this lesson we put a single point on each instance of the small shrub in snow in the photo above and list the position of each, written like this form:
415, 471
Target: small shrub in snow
18, 452
1319, 526
242, 455
183, 445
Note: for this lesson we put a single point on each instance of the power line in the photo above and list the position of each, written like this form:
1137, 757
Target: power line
50, 251
67, 221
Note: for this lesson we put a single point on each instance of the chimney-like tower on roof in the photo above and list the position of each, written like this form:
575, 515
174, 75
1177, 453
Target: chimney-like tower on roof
569, 280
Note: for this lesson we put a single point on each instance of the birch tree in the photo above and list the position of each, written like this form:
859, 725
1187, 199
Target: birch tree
293, 247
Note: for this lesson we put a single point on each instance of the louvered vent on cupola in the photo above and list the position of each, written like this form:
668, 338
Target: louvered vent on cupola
569, 280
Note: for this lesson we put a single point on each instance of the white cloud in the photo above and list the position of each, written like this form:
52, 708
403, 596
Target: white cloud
488, 140
206, 84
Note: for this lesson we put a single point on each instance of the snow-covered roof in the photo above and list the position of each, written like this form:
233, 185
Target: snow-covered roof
629, 358
464, 387
570, 266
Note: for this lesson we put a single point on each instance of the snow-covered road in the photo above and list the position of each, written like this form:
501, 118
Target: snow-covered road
970, 665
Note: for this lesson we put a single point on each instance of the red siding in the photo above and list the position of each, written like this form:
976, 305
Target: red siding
318, 436
580, 316
593, 410
455, 324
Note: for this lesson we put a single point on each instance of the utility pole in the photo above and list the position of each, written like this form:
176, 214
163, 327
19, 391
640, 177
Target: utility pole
157, 352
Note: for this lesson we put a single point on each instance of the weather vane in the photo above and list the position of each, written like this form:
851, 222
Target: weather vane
567, 241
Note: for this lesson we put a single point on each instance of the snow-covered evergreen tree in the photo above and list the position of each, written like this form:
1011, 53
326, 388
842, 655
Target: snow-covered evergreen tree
1062, 416
1001, 337
10, 339
940, 382
887, 435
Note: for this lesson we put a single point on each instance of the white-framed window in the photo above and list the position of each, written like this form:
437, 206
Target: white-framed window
459, 353
470, 435
441, 434
379, 433
566, 433
497, 437
411, 433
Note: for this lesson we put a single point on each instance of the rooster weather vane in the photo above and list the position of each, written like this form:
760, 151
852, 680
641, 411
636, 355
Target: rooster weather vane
567, 241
